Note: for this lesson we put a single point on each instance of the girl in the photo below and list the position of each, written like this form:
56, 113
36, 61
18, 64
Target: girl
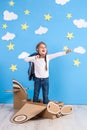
41, 70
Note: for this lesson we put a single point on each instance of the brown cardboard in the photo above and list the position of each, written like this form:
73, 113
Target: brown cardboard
27, 109
20, 96
47, 114
67, 109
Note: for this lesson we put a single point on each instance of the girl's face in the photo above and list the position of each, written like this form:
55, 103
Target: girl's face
42, 49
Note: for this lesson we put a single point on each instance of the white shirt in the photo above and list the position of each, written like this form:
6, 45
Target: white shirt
39, 64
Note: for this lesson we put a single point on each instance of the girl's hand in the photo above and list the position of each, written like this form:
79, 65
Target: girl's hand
68, 51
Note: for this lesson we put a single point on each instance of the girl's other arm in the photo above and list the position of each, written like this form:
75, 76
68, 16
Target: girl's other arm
29, 59
58, 54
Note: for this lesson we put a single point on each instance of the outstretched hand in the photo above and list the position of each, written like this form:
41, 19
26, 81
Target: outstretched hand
68, 51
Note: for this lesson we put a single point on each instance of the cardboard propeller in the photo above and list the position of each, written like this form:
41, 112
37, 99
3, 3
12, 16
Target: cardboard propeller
59, 110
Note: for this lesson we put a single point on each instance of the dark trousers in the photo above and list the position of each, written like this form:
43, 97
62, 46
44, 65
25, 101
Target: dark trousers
38, 84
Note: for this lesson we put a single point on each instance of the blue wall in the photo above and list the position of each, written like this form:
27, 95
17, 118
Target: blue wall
60, 25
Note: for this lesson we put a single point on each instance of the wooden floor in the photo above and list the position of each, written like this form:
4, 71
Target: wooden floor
75, 121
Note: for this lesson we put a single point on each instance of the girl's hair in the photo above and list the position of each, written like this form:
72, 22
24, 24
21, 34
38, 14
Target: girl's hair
37, 46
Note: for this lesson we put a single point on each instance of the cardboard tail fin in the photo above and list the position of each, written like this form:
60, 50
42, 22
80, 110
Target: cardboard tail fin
20, 96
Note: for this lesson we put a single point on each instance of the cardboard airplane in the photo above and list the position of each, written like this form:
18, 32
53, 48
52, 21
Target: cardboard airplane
26, 109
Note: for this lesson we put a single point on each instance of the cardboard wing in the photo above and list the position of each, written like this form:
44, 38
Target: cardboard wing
28, 111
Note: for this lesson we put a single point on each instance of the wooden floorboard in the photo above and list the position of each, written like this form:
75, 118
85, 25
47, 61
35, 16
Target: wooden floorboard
75, 121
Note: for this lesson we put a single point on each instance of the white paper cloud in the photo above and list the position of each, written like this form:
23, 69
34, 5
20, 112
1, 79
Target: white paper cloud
8, 36
23, 55
41, 30
80, 50
61, 2
8, 16
81, 23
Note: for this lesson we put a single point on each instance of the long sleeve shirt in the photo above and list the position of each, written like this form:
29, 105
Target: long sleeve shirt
39, 64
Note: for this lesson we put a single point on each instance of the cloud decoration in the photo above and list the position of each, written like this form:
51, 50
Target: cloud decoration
23, 55
80, 50
8, 36
41, 30
61, 2
81, 23
8, 16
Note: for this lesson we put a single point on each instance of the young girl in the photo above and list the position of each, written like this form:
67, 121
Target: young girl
41, 69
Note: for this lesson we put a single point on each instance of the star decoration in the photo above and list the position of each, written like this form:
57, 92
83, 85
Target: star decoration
11, 3
47, 17
70, 36
4, 26
10, 46
77, 62
27, 12
13, 67
69, 15
24, 26
65, 48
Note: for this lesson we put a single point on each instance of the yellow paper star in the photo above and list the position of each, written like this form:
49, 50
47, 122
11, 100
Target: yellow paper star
65, 48
13, 67
70, 36
4, 26
24, 26
69, 15
47, 17
11, 3
77, 62
27, 12
10, 46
